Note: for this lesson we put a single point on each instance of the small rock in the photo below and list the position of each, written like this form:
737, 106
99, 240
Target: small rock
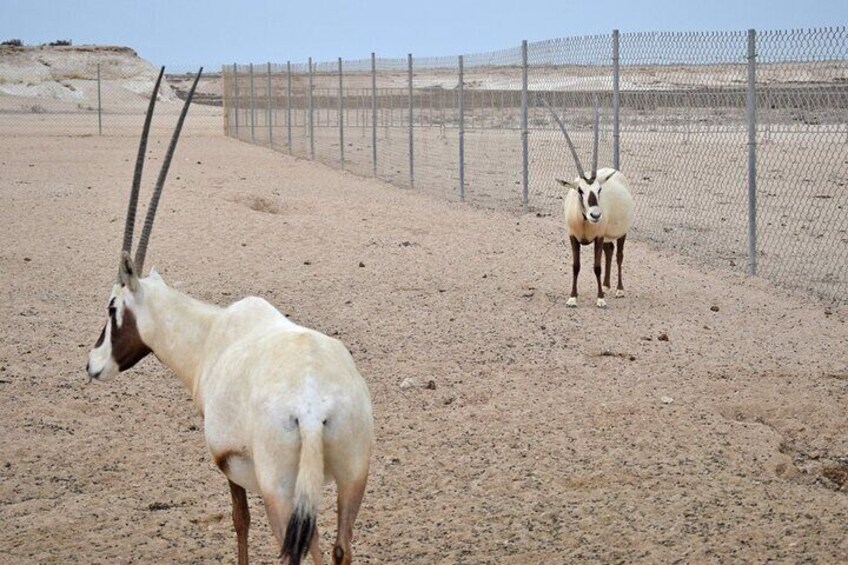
361, 264
307, 262
666, 400
663, 337
27, 259
714, 308
410, 382
431, 385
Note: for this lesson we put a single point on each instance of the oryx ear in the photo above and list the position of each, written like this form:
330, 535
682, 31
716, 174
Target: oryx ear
567, 184
604, 178
127, 274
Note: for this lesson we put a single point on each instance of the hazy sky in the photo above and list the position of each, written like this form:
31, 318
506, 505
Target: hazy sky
180, 33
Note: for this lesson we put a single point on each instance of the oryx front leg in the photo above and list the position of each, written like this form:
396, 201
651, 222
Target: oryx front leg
241, 520
608, 249
599, 248
575, 270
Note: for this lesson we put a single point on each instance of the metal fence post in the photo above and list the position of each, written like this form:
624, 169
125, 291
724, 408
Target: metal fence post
252, 107
461, 132
225, 100
236, 98
752, 151
616, 103
311, 116
341, 117
411, 116
289, 105
374, 113
99, 104
270, 122
525, 147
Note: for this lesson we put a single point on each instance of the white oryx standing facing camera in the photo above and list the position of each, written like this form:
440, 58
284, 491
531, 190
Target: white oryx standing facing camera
284, 408
599, 210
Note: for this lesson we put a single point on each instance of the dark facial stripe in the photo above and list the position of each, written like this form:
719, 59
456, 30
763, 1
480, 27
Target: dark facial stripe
593, 199
127, 346
101, 338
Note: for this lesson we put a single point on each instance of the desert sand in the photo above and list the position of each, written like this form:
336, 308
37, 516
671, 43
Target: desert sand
700, 419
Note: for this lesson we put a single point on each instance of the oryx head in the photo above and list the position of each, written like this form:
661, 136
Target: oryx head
589, 186
120, 345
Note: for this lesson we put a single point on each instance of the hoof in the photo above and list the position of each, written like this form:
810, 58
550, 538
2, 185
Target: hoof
619, 293
572, 302
601, 303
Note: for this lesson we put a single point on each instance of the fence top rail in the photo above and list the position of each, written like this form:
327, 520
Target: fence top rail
636, 48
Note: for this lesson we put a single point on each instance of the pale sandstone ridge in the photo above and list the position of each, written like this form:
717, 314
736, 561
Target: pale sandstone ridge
64, 78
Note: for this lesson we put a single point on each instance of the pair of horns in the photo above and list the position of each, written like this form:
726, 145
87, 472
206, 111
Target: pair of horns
571, 145
141, 251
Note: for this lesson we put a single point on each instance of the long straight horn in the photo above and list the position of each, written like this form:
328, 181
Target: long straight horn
139, 165
597, 133
567, 138
160, 182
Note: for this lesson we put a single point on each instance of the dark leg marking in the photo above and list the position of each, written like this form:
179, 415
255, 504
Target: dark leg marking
241, 520
575, 264
599, 247
608, 248
619, 259
222, 460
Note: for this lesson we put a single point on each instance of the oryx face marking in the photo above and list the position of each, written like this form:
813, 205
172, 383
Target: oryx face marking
590, 196
119, 346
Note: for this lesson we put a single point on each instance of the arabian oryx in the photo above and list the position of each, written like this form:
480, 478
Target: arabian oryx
598, 210
284, 408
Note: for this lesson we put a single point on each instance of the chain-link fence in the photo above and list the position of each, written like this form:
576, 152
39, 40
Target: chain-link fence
688, 116
736, 143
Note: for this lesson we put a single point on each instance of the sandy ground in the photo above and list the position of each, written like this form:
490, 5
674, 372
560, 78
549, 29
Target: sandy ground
700, 419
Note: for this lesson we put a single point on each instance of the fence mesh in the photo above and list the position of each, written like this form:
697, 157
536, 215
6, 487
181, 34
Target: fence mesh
802, 159
568, 74
684, 140
673, 112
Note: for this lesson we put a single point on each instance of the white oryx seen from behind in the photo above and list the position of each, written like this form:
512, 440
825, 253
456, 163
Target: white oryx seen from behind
598, 210
284, 408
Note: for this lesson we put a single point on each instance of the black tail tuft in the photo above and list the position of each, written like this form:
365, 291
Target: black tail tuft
299, 533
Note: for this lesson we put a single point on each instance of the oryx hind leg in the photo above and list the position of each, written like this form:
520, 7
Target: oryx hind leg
348, 503
276, 471
619, 259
